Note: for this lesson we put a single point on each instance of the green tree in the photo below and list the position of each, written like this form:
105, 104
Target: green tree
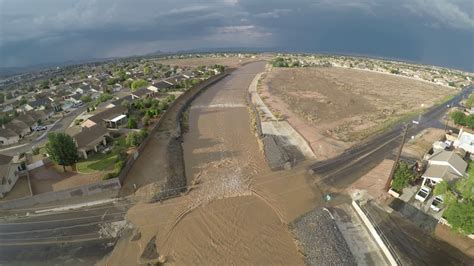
147, 70
86, 98
465, 186
138, 83
402, 176
470, 101
9, 95
44, 84
62, 149
458, 117
461, 216
132, 123
2, 97
135, 138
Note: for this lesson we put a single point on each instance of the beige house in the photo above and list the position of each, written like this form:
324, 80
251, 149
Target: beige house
10, 168
88, 139
444, 165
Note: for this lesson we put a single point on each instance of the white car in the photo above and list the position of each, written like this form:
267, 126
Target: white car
423, 193
41, 128
437, 203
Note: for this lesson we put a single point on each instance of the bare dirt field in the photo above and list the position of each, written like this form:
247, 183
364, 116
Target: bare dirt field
335, 107
51, 178
206, 61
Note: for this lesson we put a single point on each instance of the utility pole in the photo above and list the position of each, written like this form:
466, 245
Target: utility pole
392, 172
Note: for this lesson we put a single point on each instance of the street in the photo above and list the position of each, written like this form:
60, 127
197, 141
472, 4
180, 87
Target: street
80, 236
60, 126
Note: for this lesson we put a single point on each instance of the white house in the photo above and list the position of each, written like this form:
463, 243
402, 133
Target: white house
444, 165
465, 141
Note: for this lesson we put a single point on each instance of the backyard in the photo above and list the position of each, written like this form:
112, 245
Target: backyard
98, 162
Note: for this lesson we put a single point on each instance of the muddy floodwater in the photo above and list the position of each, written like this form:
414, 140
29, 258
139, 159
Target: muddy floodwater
237, 210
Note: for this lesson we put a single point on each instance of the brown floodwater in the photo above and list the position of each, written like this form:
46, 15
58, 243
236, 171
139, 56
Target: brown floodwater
238, 209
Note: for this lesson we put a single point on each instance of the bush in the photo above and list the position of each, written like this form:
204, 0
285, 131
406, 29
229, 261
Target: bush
132, 123
134, 139
35, 151
458, 117
402, 176
461, 216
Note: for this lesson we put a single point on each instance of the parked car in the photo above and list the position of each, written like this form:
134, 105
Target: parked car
437, 203
423, 193
41, 128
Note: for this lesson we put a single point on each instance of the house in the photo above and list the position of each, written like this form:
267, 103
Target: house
10, 168
110, 117
8, 136
142, 93
163, 85
444, 165
19, 127
88, 139
41, 103
465, 141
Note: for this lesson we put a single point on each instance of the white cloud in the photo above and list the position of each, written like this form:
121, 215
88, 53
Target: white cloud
275, 13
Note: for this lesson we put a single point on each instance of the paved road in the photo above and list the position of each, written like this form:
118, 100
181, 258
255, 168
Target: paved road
58, 127
80, 236
346, 168
412, 245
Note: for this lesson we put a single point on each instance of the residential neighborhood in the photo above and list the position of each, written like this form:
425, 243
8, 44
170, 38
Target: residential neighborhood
100, 107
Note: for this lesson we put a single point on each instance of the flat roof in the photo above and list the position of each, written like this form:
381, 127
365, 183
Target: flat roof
118, 118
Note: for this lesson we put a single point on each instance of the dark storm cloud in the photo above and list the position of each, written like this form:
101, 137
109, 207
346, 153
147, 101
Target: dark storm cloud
436, 31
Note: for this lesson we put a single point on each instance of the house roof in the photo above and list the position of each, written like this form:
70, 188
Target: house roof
17, 126
465, 141
7, 133
86, 137
108, 114
40, 102
450, 157
141, 92
4, 164
441, 171
162, 85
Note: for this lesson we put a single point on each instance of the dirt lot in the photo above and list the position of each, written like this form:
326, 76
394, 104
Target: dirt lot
51, 178
206, 61
342, 106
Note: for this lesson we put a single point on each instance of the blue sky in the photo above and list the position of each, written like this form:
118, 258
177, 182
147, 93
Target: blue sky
439, 32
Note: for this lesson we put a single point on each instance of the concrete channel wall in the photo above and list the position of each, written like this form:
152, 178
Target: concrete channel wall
283, 145
99, 187
388, 254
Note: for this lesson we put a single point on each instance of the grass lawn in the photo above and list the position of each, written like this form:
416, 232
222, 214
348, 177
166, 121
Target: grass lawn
97, 163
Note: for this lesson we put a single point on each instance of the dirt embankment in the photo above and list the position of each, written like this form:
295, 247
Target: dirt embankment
335, 107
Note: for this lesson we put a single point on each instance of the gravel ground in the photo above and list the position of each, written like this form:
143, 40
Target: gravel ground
321, 241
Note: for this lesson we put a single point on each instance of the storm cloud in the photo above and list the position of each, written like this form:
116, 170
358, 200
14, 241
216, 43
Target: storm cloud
437, 32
